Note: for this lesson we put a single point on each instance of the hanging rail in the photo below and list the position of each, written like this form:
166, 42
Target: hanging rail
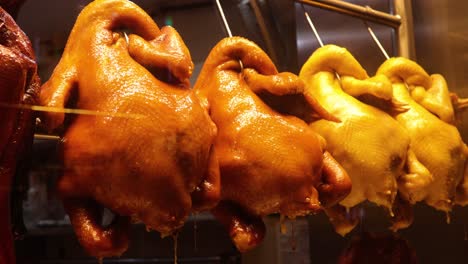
354, 10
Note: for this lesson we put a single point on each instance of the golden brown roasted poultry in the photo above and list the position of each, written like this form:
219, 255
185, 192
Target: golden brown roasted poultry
19, 84
371, 146
436, 143
269, 162
145, 151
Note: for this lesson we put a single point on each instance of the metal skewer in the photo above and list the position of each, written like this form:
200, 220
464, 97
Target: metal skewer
382, 49
311, 24
376, 40
226, 25
50, 109
126, 37
317, 36
223, 17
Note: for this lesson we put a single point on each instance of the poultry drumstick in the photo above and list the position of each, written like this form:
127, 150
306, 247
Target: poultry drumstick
147, 152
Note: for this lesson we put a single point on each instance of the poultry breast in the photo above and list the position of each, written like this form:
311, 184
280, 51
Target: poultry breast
19, 84
144, 148
371, 146
436, 143
269, 162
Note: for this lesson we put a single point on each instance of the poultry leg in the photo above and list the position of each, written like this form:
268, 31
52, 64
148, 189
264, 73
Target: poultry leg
336, 184
412, 186
343, 219
86, 216
245, 230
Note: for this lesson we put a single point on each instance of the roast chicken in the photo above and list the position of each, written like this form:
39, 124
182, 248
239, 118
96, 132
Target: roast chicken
436, 143
19, 84
269, 162
143, 146
371, 146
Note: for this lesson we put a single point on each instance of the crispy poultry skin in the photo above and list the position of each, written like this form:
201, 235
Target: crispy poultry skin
19, 84
269, 162
146, 152
371, 146
436, 143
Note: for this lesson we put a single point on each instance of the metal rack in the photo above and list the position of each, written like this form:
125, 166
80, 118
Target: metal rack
366, 13
401, 21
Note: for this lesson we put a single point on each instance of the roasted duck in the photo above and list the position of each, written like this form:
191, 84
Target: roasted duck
371, 146
19, 84
436, 143
269, 162
144, 150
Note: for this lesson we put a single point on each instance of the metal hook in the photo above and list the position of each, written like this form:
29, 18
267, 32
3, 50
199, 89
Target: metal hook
126, 38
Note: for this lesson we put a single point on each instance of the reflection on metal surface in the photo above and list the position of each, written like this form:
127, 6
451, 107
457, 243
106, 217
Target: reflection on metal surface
354, 10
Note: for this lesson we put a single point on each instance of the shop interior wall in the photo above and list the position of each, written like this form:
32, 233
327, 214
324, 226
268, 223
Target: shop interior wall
441, 39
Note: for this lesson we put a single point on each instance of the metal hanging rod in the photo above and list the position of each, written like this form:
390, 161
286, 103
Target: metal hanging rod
223, 17
354, 10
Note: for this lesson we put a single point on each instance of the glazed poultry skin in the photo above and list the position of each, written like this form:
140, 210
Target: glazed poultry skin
269, 162
436, 143
371, 146
19, 85
146, 152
